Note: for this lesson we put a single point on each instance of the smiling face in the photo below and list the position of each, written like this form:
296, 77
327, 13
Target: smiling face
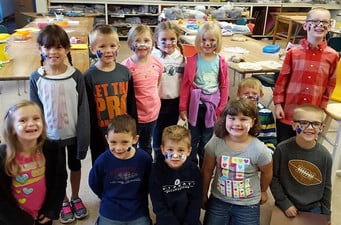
308, 125
208, 43
54, 55
167, 41
142, 45
28, 123
121, 144
105, 48
175, 152
317, 24
238, 126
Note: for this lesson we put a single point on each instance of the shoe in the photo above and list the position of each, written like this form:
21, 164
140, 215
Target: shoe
66, 214
78, 208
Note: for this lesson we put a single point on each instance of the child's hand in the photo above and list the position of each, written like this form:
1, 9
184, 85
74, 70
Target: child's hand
279, 113
264, 197
183, 115
291, 211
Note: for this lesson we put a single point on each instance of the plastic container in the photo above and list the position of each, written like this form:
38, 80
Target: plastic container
4, 56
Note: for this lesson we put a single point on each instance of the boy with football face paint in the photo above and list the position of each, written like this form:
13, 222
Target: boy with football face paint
302, 166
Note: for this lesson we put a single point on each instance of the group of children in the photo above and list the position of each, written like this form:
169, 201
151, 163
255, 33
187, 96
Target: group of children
120, 109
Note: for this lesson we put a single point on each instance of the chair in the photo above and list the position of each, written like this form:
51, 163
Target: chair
3, 29
333, 112
335, 43
188, 50
267, 80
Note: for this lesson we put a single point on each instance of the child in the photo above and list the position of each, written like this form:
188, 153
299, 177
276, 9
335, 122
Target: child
169, 51
59, 90
302, 166
33, 178
175, 187
237, 156
120, 175
251, 88
205, 87
109, 86
308, 74
146, 70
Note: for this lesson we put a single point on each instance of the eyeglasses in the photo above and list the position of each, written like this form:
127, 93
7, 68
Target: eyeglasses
305, 123
318, 22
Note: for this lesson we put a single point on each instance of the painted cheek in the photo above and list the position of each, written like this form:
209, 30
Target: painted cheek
20, 127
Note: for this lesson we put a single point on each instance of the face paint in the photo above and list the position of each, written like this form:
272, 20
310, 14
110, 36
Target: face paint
20, 127
163, 43
252, 98
99, 54
299, 129
248, 127
129, 149
139, 45
175, 156
43, 56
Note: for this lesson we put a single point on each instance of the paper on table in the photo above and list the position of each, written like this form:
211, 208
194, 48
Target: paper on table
236, 50
270, 64
249, 66
79, 46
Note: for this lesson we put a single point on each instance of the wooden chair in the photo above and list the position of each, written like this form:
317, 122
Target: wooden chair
333, 112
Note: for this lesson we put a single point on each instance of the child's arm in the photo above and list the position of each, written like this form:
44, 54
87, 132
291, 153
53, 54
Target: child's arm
206, 173
265, 179
223, 85
326, 198
96, 180
34, 90
185, 89
281, 199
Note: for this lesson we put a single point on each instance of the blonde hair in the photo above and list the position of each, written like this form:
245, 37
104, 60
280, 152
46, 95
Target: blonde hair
102, 29
176, 133
308, 108
250, 82
11, 140
214, 29
317, 9
137, 30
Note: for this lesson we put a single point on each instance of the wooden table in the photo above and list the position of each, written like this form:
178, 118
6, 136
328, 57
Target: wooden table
25, 57
292, 20
253, 54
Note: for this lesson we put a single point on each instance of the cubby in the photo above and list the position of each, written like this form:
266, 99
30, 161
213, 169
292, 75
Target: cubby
123, 14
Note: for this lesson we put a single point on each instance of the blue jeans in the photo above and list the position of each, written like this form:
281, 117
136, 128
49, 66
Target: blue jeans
222, 213
146, 130
200, 136
140, 221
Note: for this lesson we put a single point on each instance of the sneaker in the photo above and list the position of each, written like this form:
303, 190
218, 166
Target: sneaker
78, 208
66, 214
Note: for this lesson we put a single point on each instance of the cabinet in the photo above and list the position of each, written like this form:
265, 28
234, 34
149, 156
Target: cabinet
123, 14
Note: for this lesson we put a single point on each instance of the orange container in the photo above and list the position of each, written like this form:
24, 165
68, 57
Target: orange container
188, 50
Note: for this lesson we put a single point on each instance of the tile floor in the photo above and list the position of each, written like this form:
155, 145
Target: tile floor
9, 96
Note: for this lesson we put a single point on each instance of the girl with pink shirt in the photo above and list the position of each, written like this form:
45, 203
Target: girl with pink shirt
146, 71
33, 179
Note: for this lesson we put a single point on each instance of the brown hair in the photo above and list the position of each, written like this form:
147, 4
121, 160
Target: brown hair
53, 35
176, 133
234, 107
102, 29
123, 124
11, 140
